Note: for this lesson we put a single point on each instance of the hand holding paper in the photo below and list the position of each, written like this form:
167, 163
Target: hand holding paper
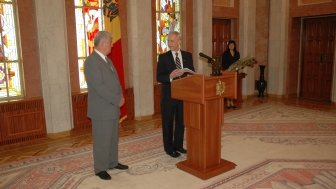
180, 72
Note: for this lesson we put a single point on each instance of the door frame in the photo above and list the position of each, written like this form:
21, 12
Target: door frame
333, 87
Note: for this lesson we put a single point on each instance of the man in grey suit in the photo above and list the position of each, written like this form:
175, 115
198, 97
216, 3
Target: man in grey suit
104, 101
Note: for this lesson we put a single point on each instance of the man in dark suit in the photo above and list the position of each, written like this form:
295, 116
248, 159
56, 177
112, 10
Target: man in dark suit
104, 100
170, 67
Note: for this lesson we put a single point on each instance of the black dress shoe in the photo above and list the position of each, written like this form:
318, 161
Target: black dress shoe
121, 166
174, 154
233, 107
181, 150
104, 175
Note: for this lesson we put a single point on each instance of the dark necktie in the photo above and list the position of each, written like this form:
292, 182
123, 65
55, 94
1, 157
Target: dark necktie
177, 61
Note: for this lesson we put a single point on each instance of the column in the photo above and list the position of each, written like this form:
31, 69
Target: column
139, 29
52, 40
202, 33
247, 16
278, 39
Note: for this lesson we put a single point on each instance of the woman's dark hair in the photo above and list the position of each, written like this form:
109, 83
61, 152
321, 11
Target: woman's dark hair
228, 44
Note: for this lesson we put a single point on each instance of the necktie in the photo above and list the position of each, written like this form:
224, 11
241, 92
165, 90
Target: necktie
177, 61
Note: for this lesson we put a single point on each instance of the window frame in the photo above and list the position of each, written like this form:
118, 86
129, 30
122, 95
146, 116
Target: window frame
83, 87
9, 97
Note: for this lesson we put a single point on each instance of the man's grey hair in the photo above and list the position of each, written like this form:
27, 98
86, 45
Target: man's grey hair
101, 36
176, 33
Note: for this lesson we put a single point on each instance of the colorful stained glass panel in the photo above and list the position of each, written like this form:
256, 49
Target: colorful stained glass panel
82, 81
8, 33
165, 23
14, 83
3, 81
81, 45
167, 19
10, 83
89, 20
88, 3
10, 70
168, 5
78, 2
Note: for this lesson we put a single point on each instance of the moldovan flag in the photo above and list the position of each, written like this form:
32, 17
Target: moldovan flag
113, 26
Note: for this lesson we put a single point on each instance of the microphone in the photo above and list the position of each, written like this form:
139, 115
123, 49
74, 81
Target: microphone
207, 57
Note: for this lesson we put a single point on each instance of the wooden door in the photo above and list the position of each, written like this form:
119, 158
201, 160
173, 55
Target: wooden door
318, 46
221, 33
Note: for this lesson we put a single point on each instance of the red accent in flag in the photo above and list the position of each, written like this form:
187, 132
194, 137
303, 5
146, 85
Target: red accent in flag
117, 59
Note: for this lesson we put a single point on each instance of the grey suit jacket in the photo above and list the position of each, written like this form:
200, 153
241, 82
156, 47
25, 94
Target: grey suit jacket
104, 90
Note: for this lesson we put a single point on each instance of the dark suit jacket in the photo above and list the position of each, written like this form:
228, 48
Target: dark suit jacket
228, 59
166, 65
104, 90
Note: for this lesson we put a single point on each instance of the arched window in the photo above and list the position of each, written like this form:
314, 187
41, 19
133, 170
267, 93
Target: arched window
89, 20
10, 64
168, 18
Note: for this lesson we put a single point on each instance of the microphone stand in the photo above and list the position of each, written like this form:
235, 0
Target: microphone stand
216, 65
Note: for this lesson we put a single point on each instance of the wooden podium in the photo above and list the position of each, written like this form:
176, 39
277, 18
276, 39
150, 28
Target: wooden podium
203, 99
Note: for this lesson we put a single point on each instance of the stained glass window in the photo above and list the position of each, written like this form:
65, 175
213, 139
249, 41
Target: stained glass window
168, 18
10, 65
89, 20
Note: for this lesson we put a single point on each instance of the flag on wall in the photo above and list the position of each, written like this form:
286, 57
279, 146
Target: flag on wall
112, 24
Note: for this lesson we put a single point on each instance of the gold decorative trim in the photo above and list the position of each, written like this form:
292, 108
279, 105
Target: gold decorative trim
220, 88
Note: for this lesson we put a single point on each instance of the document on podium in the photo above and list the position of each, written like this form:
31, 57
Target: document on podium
184, 72
180, 73
187, 70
